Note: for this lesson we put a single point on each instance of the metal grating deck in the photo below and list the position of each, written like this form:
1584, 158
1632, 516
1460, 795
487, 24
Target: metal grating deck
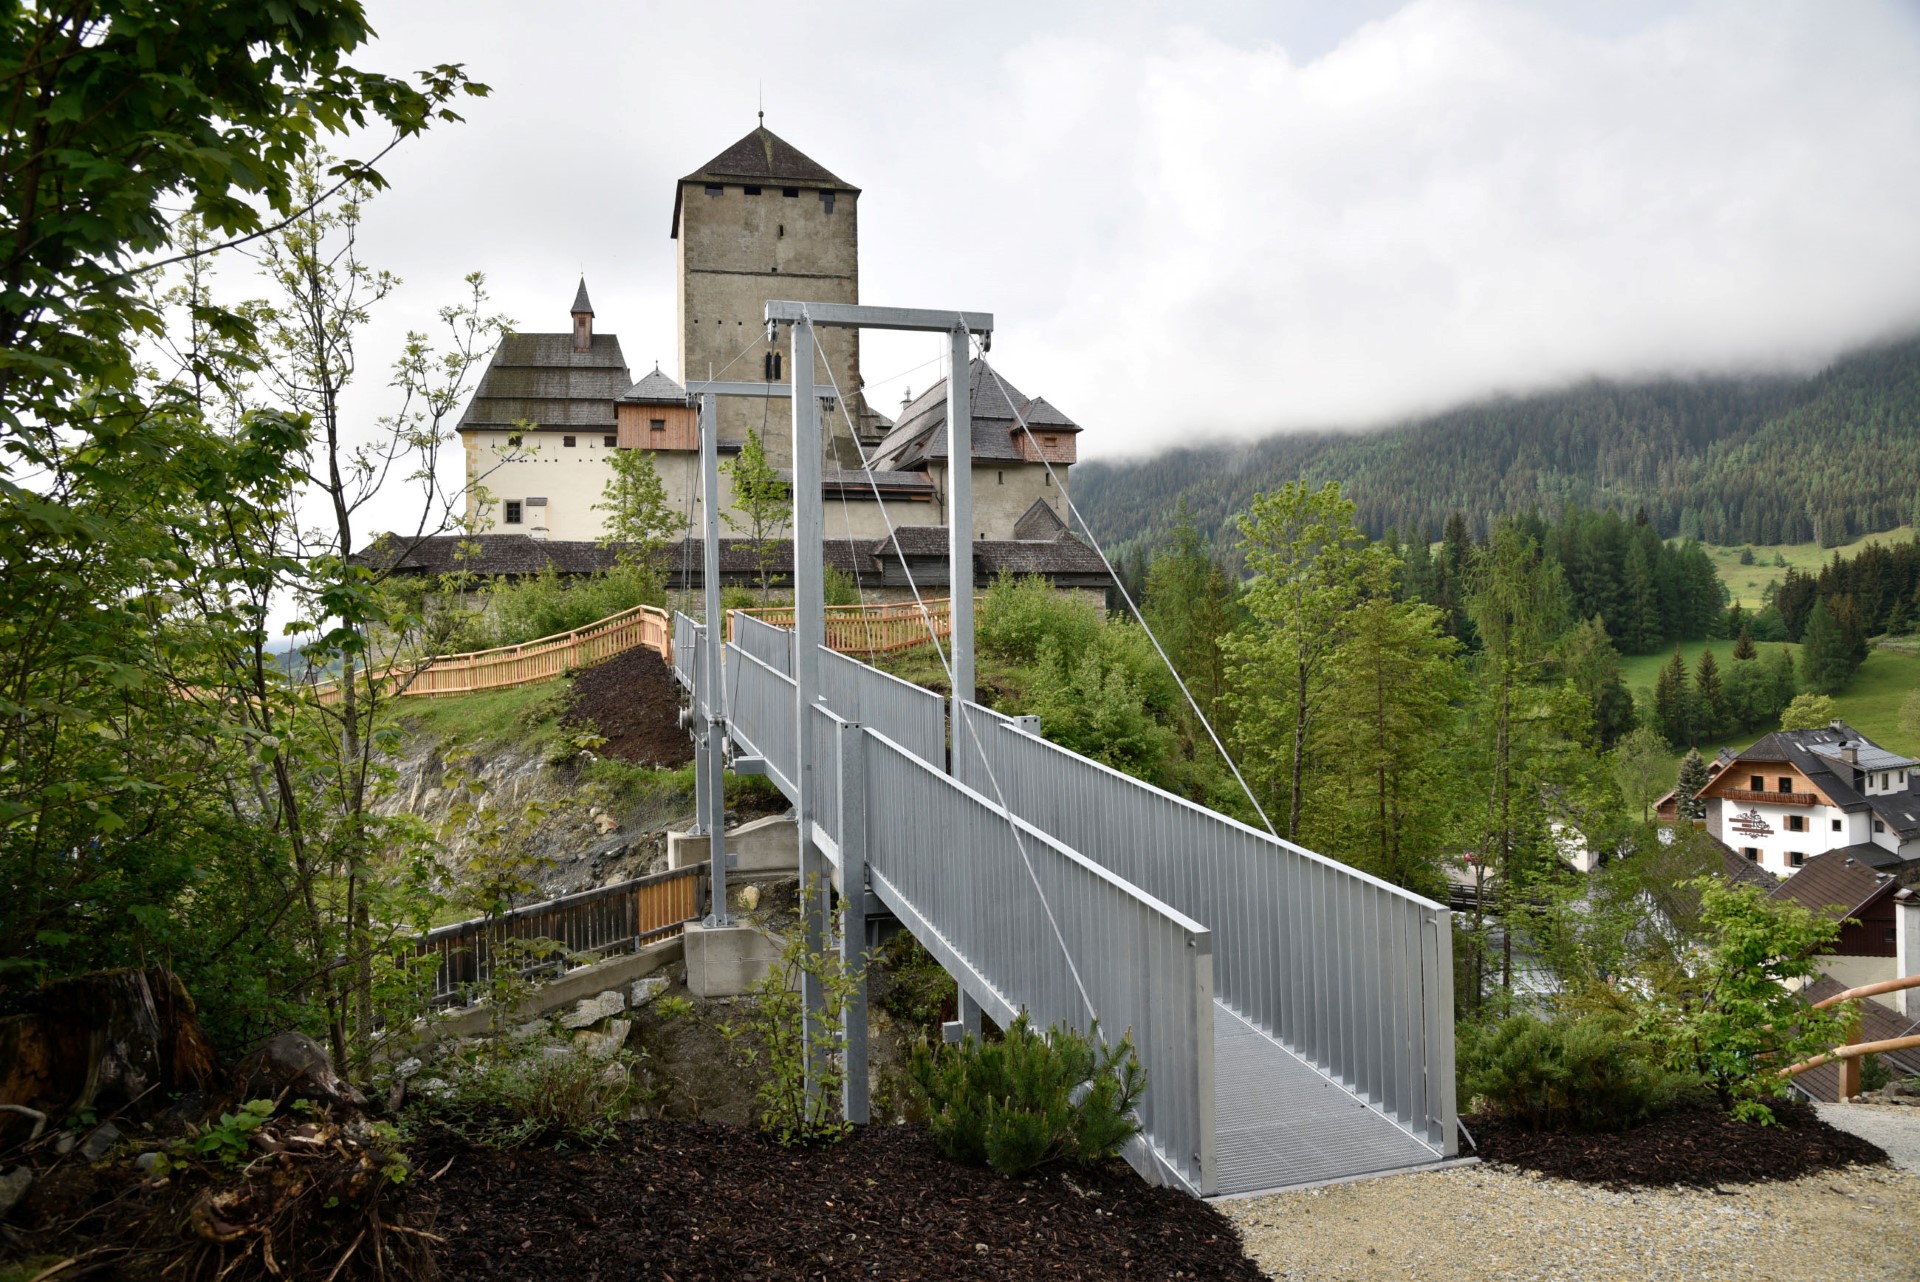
1278, 1121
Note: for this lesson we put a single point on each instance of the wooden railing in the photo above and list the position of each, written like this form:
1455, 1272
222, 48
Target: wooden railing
1775, 798
621, 917
869, 629
531, 661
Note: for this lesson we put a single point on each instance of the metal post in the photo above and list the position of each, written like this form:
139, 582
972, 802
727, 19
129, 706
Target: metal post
850, 765
809, 631
960, 525
708, 681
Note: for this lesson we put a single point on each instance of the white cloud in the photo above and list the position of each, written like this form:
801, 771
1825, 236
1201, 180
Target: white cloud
1276, 216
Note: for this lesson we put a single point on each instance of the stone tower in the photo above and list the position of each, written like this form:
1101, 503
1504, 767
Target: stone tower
758, 222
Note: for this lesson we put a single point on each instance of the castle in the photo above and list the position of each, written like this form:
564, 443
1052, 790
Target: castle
760, 221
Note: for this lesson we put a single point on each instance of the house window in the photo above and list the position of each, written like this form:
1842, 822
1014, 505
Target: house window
609, 441
1879, 826
1836, 825
569, 441
1796, 823
513, 512
1796, 858
657, 425
1752, 853
1759, 784
1786, 784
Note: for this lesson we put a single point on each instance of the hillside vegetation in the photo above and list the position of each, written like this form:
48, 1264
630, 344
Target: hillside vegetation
1820, 460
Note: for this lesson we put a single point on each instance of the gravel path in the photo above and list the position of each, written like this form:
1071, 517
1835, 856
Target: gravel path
1894, 1127
1482, 1224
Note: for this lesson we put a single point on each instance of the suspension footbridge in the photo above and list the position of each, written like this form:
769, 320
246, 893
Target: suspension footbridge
1294, 1016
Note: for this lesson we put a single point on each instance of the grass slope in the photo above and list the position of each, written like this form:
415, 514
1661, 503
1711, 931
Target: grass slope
1748, 582
1870, 703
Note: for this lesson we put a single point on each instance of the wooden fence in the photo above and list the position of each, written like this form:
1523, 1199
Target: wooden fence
869, 629
585, 927
531, 661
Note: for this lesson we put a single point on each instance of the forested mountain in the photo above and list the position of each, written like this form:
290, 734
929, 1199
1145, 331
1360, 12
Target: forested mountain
1748, 460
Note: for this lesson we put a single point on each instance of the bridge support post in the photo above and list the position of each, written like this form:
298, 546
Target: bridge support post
710, 784
960, 527
809, 632
850, 768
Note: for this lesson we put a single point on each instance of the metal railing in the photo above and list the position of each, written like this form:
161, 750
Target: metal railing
910, 715
587, 925
772, 646
684, 631
1353, 974
991, 918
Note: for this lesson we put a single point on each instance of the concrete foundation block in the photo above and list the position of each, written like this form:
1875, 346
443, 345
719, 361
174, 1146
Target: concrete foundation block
726, 961
764, 847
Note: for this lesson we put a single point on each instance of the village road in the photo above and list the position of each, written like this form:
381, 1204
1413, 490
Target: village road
1894, 1127
1479, 1224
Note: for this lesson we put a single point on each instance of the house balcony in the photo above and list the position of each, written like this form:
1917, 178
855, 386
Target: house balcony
1771, 798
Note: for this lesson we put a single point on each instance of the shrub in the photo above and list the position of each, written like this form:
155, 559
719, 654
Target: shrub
918, 990
527, 1094
1586, 1073
1019, 615
1029, 1099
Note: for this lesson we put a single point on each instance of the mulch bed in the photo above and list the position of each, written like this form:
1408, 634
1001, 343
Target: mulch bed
633, 702
696, 1200
1699, 1146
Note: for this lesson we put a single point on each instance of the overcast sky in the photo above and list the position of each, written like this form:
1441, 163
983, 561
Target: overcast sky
1199, 220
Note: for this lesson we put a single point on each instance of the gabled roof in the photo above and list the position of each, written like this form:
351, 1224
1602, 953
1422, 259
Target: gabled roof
540, 379
1816, 754
920, 433
1039, 522
657, 388
1835, 885
761, 157
580, 303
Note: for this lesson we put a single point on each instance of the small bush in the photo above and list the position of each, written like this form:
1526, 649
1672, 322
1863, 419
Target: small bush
1587, 1073
919, 991
1019, 615
1029, 1099
529, 1095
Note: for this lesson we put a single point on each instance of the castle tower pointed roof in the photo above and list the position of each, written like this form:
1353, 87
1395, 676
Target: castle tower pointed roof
580, 303
761, 157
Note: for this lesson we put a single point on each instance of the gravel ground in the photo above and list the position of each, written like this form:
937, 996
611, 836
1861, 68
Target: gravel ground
1482, 1224
1894, 1127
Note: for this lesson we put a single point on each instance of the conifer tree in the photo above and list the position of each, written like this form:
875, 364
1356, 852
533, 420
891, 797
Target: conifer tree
1743, 647
1672, 715
1711, 716
1693, 777
1786, 680
1826, 659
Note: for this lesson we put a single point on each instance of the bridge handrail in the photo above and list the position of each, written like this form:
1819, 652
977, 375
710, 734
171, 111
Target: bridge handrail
1147, 967
1351, 972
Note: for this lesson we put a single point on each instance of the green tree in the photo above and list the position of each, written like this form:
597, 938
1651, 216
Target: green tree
1640, 763
1712, 714
1786, 679
1808, 712
1826, 657
639, 519
1673, 701
1743, 647
1192, 605
1910, 714
1750, 691
1311, 570
762, 507
1589, 660
1686, 788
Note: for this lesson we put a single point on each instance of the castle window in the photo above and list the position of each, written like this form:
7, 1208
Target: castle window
826, 198
513, 513
657, 425
791, 193
771, 364
999, 478
751, 191
609, 441
1049, 478
569, 441
783, 229
714, 189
